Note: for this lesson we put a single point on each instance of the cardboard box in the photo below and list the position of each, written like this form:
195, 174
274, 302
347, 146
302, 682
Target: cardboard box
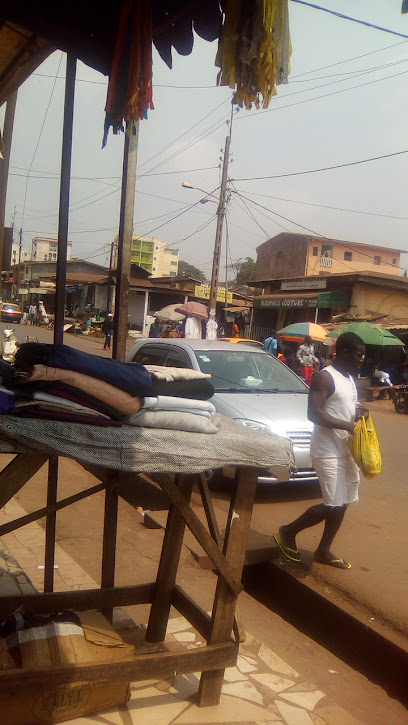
61, 643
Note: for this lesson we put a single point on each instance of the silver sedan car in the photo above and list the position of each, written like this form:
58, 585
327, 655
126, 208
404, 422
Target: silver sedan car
252, 387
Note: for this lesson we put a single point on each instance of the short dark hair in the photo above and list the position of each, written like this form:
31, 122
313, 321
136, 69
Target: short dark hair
308, 339
348, 341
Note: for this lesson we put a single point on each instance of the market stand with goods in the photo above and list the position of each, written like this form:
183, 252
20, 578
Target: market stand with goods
116, 39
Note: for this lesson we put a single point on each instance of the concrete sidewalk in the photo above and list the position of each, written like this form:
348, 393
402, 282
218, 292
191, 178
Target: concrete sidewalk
262, 688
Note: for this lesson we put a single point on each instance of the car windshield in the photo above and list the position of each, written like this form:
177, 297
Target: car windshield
233, 371
8, 306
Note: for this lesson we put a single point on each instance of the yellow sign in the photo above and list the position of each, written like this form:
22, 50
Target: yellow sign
203, 292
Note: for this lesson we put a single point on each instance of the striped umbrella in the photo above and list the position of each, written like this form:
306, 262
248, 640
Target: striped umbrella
299, 330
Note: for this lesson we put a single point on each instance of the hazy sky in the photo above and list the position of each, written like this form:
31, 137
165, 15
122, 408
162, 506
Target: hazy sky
347, 99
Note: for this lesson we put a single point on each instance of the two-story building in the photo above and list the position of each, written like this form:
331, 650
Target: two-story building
303, 255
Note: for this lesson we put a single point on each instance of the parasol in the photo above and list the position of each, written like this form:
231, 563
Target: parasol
169, 314
370, 334
195, 309
299, 330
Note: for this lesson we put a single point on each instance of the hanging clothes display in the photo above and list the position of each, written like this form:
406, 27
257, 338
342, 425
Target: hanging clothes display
130, 91
254, 50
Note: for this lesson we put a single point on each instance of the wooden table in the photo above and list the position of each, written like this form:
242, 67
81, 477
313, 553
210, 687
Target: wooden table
220, 630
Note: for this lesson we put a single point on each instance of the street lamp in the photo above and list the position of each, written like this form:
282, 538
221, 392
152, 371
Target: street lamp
218, 233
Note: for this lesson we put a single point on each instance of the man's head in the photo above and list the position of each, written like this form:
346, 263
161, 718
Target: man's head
308, 340
350, 351
273, 333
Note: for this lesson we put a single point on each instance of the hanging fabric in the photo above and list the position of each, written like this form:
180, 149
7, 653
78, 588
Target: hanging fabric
254, 50
130, 91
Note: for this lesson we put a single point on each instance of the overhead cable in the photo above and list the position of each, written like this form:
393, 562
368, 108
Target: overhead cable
353, 20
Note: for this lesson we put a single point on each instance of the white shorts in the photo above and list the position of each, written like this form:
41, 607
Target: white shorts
339, 479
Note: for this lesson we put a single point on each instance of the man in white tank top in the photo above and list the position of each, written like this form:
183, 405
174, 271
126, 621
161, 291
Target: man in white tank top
333, 408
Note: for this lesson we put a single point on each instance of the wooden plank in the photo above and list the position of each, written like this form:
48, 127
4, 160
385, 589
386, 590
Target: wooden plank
201, 534
16, 474
209, 509
79, 599
169, 561
23, 520
157, 665
187, 607
50, 524
110, 530
239, 520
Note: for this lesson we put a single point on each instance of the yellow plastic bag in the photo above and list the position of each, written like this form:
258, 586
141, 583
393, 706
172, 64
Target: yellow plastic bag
365, 447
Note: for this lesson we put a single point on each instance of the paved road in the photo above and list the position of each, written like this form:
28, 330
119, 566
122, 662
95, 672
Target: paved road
373, 537
374, 534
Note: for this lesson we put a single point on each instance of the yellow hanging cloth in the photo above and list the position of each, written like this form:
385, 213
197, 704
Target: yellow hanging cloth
254, 50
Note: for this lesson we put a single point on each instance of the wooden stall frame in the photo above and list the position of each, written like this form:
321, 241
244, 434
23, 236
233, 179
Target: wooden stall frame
227, 554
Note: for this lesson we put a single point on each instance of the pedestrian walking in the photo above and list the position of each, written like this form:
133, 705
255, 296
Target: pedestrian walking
32, 313
107, 329
271, 344
333, 408
307, 359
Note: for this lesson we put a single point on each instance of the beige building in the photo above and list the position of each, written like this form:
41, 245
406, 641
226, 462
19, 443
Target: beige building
44, 249
152, 255
299, 255
18, 255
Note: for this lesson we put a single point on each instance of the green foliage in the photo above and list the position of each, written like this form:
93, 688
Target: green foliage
245, 271
188, 270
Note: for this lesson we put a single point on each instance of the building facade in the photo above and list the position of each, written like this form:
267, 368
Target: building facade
18, 255
346, 296
44, 249
152, 255
298, 255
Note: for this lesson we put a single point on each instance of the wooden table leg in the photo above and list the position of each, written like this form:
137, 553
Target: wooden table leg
169, 561
50, 525
110, 529
236, 534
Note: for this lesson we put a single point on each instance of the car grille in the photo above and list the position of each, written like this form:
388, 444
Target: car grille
299, 438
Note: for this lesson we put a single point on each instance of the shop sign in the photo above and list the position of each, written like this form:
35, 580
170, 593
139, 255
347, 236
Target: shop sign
23, 291
311, 283
49, 285
203, 292
285, 302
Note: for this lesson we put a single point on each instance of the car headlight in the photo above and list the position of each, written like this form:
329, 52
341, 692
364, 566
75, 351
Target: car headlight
253, 424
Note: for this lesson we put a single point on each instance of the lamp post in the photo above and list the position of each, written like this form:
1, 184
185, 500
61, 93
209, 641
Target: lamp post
218, 232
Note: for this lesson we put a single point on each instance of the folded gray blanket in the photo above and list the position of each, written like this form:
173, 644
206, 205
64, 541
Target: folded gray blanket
173, 420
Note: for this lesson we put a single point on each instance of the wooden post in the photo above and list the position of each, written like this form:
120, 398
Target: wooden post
50, 525
109, 536
7, 139
124, 255
169, 561
236, 534
65, 183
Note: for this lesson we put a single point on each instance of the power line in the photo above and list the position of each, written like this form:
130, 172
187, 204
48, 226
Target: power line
317, 234
325, 168
39, 138
146, 234
318, 98
348, 60
348, 17
323, 206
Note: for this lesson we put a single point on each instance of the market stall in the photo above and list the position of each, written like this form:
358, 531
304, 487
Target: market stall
184, 457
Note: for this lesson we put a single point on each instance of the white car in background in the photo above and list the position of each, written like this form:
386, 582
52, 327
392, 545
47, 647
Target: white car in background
252, 387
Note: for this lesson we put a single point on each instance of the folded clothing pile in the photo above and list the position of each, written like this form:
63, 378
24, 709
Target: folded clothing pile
173, 413
61, 383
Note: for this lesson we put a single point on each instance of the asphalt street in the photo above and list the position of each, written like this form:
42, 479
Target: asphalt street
374, 532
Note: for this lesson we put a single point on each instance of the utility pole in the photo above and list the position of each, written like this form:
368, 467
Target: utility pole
7, 138
109, 299
218, 233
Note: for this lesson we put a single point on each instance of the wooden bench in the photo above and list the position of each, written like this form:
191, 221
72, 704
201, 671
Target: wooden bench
378, 391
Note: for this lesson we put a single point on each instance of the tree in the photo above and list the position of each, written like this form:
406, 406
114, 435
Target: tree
245, 271
188, 270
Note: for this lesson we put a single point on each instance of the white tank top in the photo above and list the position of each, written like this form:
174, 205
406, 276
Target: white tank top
342, 404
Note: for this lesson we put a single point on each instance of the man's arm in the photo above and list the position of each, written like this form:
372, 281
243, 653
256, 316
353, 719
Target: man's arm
321, 389
299, 354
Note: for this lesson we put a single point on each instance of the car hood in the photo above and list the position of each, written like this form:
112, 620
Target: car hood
282, 412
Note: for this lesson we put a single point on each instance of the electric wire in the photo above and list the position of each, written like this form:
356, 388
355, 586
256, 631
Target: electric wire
39, 138
321, 236
366, 23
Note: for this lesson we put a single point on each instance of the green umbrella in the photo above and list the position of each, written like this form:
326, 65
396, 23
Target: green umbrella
370, 334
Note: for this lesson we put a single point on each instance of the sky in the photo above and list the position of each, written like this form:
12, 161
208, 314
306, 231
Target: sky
346, 100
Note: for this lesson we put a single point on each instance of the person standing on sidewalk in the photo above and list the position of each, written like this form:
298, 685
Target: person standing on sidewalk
107, 329
307, 359
333, 408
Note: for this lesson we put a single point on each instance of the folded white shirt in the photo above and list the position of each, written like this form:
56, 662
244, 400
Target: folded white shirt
183, 405
170, 374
